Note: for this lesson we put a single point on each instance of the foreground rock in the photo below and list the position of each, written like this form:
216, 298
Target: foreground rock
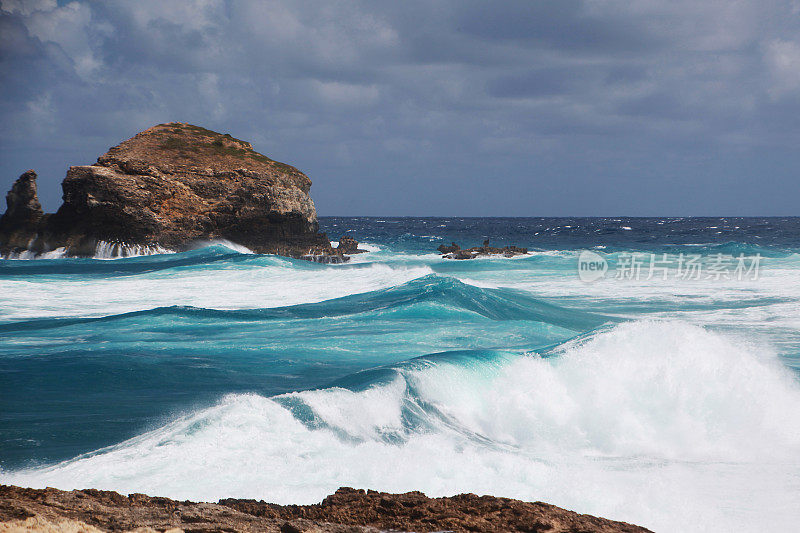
171, 186
348, 510
454, 251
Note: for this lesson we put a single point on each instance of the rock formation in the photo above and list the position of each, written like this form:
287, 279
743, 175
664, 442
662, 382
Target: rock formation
171, 186
348, 510
23, 201
23, 212
444, 249
348, 245
454, 251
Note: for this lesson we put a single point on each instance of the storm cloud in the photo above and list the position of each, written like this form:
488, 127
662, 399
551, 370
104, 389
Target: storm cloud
570, 107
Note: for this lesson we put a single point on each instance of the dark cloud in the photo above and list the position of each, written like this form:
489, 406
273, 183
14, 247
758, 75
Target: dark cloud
448, 107
566, 25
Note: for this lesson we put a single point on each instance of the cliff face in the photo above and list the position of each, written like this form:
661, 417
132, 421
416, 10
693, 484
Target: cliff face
172, 185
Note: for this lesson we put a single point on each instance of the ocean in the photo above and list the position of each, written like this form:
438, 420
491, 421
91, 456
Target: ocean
640, 369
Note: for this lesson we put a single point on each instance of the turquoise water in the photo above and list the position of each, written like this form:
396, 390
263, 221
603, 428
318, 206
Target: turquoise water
279, 379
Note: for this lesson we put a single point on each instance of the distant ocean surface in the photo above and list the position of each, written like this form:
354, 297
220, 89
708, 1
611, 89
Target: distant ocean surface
658, 394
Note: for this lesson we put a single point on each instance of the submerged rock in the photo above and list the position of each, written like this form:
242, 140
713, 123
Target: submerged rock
348, 510
171, 186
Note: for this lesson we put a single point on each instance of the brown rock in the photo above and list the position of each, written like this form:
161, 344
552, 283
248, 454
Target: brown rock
22, 201
174, 185
19, 225
88, 511
444, 249
348, 510
348, 245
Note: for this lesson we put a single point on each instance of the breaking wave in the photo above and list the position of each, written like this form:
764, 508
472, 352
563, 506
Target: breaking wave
633, 422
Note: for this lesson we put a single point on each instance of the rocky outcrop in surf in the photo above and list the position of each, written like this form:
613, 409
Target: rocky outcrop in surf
454, 251
348, 245
348, 510
171, 186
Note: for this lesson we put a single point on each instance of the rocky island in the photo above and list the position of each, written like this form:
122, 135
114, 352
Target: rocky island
346, 511
171, 187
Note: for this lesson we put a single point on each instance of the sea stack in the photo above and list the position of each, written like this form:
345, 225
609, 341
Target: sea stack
23, 212
171, 186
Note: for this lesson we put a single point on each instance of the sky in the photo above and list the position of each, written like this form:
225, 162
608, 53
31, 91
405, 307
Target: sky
426, 108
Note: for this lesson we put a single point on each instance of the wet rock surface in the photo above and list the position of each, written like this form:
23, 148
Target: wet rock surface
454, 251
348, 510
348, 245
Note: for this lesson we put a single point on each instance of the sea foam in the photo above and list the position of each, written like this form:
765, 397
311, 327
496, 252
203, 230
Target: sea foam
219, 278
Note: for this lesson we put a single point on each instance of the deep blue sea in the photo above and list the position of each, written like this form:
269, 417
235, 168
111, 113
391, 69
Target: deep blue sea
641, 369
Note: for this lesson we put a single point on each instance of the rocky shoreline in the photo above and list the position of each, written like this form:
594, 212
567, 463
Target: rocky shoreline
346, 511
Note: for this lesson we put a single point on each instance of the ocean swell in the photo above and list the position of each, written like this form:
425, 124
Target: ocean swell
665, 402
431, 290
690, 410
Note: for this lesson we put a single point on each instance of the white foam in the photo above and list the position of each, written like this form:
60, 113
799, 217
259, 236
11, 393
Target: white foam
222, 285
230, 245
369, 247
721, 303
362, 246
58, 253
662, 424
119, 250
